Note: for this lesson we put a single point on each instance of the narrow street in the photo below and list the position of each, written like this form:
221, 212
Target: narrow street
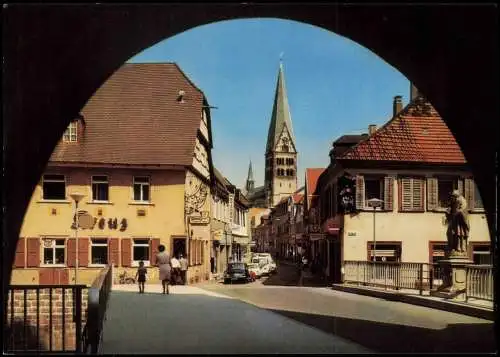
379, 325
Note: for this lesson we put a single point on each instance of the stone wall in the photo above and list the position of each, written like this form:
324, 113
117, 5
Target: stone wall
19, 335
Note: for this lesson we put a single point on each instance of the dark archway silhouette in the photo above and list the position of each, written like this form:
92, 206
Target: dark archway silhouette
56, 56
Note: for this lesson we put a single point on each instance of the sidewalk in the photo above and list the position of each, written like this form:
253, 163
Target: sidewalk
474, 307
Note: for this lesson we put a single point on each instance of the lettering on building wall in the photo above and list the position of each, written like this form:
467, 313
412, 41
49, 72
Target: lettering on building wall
112, 223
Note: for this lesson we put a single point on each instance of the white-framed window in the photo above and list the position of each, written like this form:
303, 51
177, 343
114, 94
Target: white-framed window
54, 250
481, 254
141, 188
140, 251
100, 188
54, 187
70, 135
99, 251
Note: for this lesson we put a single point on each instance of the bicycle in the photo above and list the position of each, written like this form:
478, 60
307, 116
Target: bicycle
124, 278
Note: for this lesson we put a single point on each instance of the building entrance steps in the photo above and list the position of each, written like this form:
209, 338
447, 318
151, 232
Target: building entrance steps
474, 307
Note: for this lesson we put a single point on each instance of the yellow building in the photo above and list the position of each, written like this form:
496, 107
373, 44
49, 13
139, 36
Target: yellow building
140, 153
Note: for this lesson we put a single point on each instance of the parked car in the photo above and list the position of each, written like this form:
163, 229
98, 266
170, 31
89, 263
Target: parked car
237, 272
255, 268
266, 259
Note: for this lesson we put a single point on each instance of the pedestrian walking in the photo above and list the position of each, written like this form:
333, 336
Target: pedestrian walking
140, 276
164, 267
184, 267
176, 270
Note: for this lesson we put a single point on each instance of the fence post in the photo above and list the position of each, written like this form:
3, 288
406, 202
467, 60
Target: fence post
467, 280
357, 273
421, 278
385, 276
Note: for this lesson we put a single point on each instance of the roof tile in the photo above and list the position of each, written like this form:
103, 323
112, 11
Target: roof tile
135, 118
417, 134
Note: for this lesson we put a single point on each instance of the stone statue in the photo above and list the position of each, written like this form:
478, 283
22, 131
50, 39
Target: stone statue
458, 225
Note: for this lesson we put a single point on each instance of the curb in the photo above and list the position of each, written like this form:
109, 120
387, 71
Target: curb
473, 311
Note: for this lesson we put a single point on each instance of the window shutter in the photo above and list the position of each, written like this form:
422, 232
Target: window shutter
432, 193
418, 194
83, 251
70, 252
126, 252
33, 248
46, 276
153, 248
388, 193
469, 193
406, 194
114, 252
20, 260
360, 192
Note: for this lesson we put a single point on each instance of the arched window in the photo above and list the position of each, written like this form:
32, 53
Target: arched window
291, 173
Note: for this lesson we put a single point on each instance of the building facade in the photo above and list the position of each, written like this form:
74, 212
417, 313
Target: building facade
140, 153
411, 164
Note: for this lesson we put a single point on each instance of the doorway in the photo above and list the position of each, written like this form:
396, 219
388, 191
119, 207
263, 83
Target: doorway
179, 247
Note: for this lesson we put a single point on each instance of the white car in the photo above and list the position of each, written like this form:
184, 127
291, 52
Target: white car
254, 268
266, 259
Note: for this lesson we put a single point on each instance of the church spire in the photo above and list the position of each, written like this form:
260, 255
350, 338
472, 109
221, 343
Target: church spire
250, 181
281, 117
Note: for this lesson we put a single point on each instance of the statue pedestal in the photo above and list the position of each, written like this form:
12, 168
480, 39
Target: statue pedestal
454, 273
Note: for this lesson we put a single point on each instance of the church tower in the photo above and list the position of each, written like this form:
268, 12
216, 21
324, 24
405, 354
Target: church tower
281, 151
250, 185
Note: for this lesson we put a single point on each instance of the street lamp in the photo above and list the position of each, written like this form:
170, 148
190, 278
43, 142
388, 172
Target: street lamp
375, 203
77, 197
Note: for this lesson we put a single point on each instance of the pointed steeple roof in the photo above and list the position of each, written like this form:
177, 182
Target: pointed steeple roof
281, 117
250, 172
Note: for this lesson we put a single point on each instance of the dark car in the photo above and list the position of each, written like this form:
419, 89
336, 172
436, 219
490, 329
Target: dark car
237, 272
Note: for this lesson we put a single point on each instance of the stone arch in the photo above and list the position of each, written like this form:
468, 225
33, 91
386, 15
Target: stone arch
55, 57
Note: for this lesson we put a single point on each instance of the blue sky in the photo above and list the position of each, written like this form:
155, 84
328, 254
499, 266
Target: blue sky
334, 85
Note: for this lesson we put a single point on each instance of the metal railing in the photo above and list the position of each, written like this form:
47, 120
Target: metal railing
479, 282
390, 275
98, 297
40, 317
418, 276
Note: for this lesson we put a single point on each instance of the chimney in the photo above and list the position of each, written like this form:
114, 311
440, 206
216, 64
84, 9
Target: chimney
372, 128
413, 92
397, 105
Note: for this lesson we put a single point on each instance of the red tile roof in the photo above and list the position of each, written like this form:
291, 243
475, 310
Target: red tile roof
135, 118
312, 175
416, 134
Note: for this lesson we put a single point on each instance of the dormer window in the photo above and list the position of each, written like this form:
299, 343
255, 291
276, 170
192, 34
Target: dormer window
70, 135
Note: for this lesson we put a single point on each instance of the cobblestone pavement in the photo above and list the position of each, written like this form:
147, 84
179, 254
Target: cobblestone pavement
381, 325
197, 321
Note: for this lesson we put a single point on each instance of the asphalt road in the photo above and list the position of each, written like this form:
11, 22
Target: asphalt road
379, 325
195, 321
